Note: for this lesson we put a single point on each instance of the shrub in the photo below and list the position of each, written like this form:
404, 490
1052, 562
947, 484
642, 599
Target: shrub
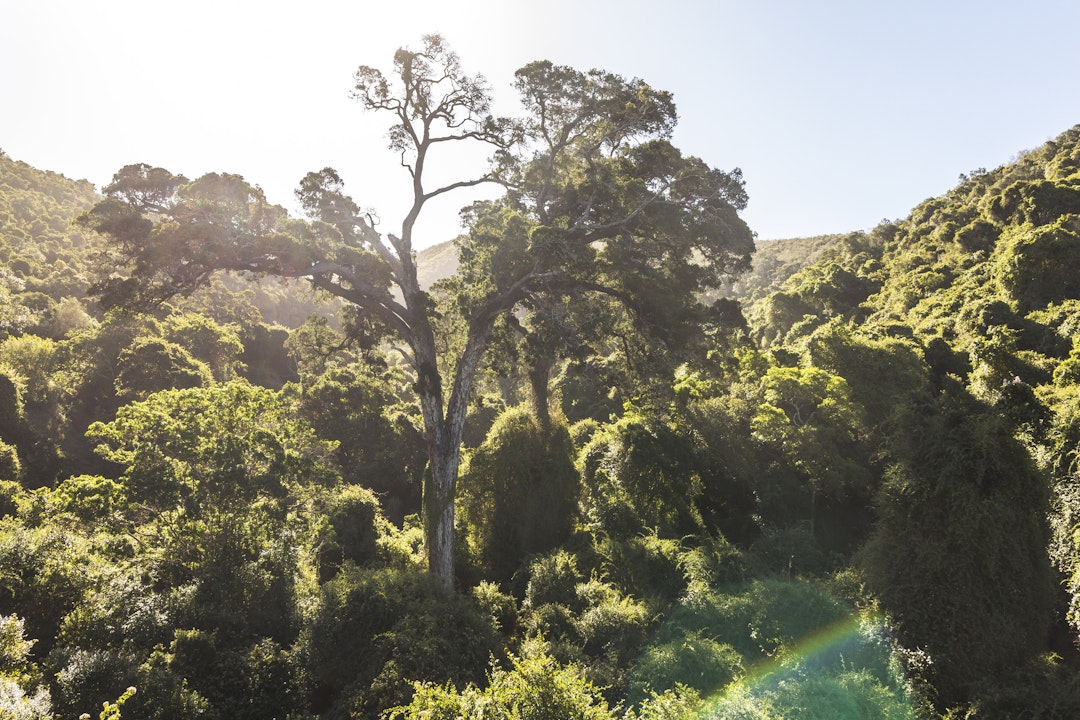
375, 631
694, 660
535, 687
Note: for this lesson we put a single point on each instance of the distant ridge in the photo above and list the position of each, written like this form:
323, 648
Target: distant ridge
436, 262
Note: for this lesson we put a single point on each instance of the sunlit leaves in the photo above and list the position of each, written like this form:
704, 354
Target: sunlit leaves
809, 416
536, 687
170, 235
207, 449
1035, 265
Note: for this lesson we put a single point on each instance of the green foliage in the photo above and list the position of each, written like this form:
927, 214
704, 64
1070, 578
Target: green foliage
768, 616
977, 235
17, 704
1062, 460
252, 682
355, 525
834, 286
149, 365
535, 687
1034, 202
602, 206
218, 503
737, 480
111, 710
592, 621
265, 357
713, 562
640, 473
219, 346
962, 510
10, 466
90, 498
37, 240
43, 576
851, 695
644, 566
694, 660
1033, 264
612, 627
863, 362
1048, 687
918, 397
374, 631
768, 649
789, 551
518, 493
89, 380
14, 647
21, 695
808, 415
553, 579
210, 450
682, 703
501, 607
379, 444
32, 365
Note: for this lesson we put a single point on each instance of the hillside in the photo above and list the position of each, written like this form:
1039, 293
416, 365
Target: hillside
436, 262
975, 292
45, 262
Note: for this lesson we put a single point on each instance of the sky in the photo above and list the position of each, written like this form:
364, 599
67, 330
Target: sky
840, 113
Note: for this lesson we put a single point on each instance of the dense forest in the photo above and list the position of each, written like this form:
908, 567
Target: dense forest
830, 477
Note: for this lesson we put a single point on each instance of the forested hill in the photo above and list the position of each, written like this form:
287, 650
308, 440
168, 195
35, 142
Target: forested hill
44, 259
436, 262
856, 496
999, 236
958, 328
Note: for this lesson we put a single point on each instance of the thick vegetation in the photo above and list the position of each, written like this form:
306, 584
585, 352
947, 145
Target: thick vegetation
856, 495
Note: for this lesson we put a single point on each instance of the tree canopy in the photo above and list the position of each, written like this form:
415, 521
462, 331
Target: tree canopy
598, 201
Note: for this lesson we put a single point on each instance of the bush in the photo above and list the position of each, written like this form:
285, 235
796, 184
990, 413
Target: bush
10, 467
1035, 265
499, 606
518, 492
355, 525
712, 563
645, 566
375, 631
694, 660
612, 626
759, 618
43, 576
553, 579
640, 474
791, 551
958, 557
535, 687
91, 498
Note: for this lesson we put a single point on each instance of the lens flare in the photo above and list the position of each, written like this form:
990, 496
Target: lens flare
804, 656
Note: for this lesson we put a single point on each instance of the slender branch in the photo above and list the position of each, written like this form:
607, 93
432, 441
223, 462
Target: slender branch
459, 184
409, 359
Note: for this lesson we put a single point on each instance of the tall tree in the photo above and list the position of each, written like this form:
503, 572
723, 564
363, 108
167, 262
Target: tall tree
597, 201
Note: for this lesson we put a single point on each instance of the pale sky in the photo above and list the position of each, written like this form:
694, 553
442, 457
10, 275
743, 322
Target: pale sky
840, 113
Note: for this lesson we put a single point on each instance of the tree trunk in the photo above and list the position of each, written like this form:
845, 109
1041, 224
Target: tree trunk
444, 434
443, 454
439, 487
539, 382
